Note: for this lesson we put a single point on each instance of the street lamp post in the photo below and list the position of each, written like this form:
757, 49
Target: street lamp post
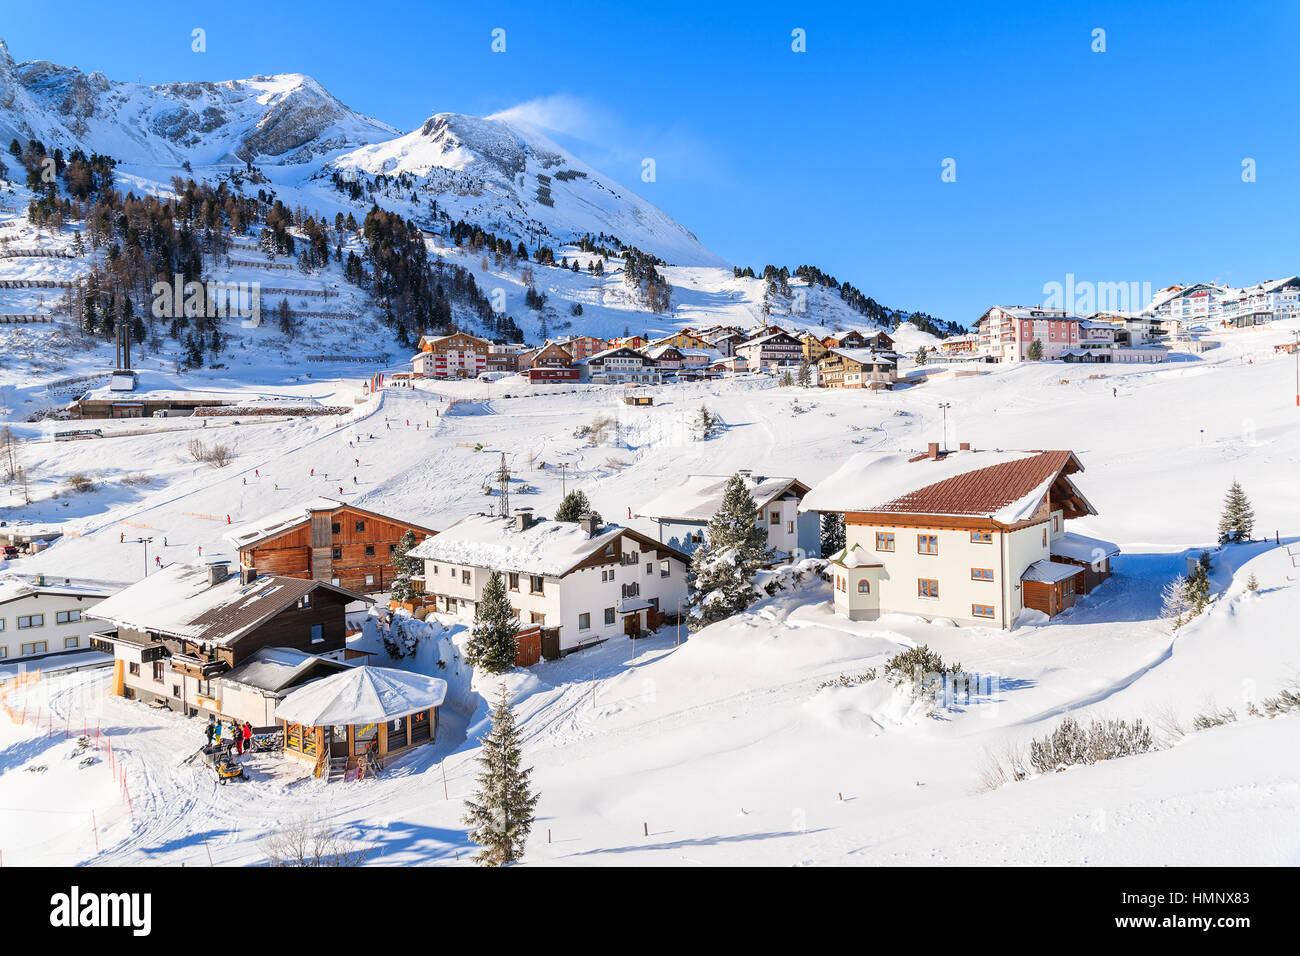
145, 542
944, 406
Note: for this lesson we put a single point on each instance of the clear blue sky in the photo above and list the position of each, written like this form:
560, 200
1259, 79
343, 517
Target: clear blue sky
1122, 166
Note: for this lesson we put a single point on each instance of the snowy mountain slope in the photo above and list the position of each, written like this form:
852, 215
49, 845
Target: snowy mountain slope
724, 746
286, 119
512, 180
509, 179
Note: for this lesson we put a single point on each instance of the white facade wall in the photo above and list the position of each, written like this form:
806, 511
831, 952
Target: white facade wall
783, 532
47, 636
896, 585
563, 600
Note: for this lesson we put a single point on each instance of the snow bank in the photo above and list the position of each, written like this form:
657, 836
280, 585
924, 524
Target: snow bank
869, 708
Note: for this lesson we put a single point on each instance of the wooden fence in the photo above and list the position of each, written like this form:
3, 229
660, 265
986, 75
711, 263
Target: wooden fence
249, 263
271, 290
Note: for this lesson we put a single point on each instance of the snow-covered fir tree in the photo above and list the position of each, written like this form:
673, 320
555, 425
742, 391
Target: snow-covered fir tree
722, 569
706, 423
1238, 519
401, 590
492, 646
500, 813
1174, 607
1197, 586
805, 373
574, 506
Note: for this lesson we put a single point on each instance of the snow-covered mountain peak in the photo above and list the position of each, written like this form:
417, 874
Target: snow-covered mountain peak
513, 180
281, 119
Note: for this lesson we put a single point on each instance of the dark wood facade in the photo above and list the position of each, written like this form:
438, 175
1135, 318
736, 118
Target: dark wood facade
1054, 597
347, 546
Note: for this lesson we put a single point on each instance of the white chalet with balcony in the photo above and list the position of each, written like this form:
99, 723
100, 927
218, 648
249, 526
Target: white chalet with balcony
588, 583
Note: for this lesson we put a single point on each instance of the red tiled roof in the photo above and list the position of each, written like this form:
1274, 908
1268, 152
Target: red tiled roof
984, 490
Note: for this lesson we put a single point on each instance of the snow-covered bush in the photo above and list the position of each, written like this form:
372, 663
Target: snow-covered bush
1072, 743
918, 665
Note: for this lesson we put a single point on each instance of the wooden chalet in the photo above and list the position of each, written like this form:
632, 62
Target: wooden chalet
857, 368
178, 629
972, 537
551, 363
325, 540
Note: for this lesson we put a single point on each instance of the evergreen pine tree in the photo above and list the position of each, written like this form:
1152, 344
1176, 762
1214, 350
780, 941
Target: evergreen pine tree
1035, 351
500, 813
401, 590
832, 533
574, 506
492, 645
921, 355
805, 373
706, 423
1197, 586
1238, 518
722, 569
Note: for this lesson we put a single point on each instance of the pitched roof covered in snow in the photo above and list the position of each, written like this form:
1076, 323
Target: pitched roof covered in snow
275, 668
866, 356
546, 547
1049, 572
14, 587
285, 519
699, 496
181, 601
1006, 486
1080, 547
362, 695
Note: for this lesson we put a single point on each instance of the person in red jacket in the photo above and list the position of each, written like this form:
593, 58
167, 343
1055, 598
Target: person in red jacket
248, 736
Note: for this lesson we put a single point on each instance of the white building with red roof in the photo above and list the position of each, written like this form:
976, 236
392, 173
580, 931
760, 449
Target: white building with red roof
976, 537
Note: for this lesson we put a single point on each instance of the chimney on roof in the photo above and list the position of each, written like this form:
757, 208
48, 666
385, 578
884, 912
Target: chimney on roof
523, 519
217, 573
964, 446
933, 450
247, 575
588, 524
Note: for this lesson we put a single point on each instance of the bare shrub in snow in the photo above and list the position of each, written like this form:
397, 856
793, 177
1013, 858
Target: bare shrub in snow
313, 843
79, 482
849, 680
1001, 767
1169, 724
217, 455
1072, 743
136, 479
1214, 718
1286, 702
